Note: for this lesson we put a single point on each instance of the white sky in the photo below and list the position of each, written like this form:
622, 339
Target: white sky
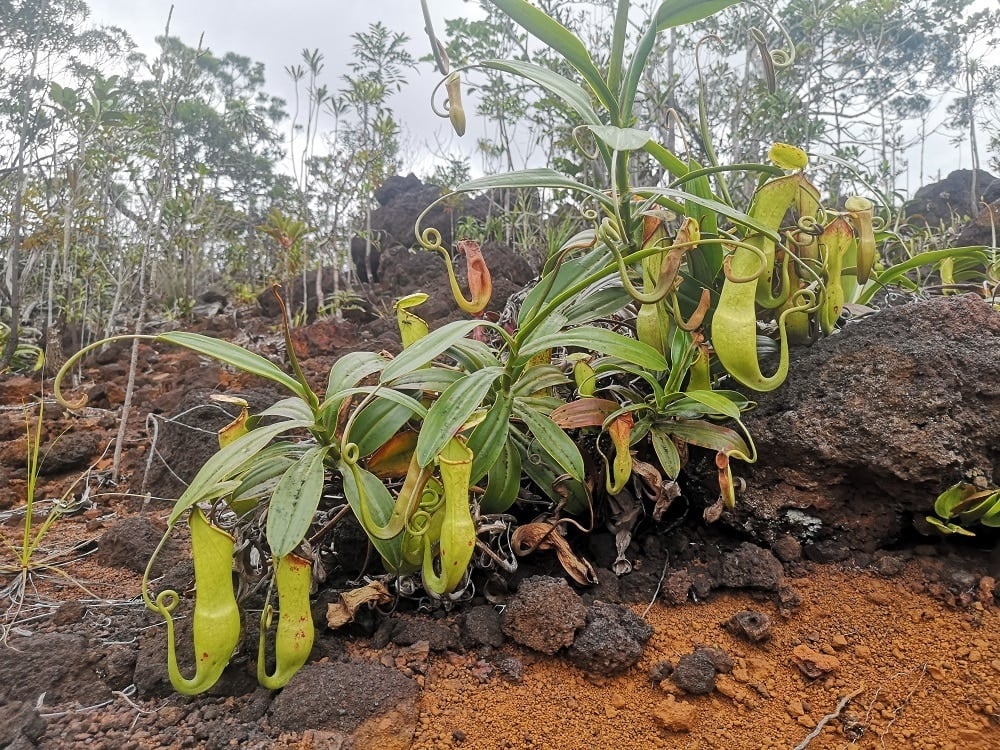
275, 33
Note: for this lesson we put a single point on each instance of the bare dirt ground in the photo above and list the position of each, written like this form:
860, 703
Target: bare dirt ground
872, 661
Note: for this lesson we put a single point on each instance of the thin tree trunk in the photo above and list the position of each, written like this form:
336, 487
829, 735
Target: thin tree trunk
13, 275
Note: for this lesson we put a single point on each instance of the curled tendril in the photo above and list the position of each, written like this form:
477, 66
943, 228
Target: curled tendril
674, 120
761, 256
578, 142
533, 454
430, 500
71, 362
430, 239
810, 225
780, 58
804, 300
418, 524
349, 453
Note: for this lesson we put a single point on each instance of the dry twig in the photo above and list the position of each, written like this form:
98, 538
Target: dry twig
829, 717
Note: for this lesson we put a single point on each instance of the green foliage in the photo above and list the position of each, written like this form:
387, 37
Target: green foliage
623, 349
31, 558
27, 355
964, 504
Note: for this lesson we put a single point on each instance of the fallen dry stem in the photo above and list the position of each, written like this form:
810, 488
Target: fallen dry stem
841, 705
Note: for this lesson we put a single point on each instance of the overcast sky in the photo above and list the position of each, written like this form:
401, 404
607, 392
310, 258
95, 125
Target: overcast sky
275, 32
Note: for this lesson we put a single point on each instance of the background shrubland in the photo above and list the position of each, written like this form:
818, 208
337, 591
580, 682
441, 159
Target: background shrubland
131, 183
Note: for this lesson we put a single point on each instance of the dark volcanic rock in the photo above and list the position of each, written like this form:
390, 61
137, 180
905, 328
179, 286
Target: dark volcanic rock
481, 627
439, 634
343, 696
750, 625
611, 642
61, 665
130, 543
20, 721
544, 614
70, 451
873, 423
695, 673
750, 566
940, 203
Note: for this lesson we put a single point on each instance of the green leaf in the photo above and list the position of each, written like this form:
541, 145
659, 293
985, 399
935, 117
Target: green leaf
294, 502
562, 87
716, 403
601, 340
707, 435
561, 40
681, 198
377, 422
489, 437
238, 357
472, 355
666, 452
542, 469
351, 369
228, 462
388, 394
539, 378
362, 486
504, 480
599, 301
894, 274
673, 13
567, 273
447, 415
292, 407
553, 440
430, 379
535, 178
430, 346
622, 139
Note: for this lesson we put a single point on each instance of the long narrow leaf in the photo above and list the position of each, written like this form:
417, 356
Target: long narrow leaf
228, 462
388, 394
489, 437
504, 480
378, 422
363, 487
351, 369
601, 340
555, 442
561, 40
534, 178
430, 346
238, 357
707, 435
294, 501
451, 410
562, 87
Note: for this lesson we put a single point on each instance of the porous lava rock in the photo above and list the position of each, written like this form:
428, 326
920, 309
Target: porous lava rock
611, 642
941, 203
347, 696
873, 423
544, 614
